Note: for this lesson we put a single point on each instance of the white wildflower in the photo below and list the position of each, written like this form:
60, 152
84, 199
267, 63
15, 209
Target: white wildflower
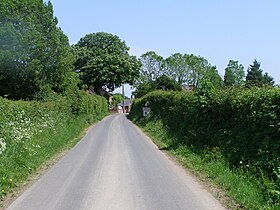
2, 145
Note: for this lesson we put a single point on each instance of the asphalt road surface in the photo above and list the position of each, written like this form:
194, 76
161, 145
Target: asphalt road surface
114, 167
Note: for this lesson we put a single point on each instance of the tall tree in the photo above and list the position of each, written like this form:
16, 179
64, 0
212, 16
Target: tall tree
212, 76
268, 80
254, 74
152, 67
177, 68
255, 77
34, 52
103, 61
195, 65
186, 69
201, 70
191, 70
234, 74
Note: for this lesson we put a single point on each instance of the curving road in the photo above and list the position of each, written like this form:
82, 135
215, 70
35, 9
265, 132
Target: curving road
115, 167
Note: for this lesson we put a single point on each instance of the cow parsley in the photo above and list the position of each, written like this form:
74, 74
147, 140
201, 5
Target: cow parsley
2, 145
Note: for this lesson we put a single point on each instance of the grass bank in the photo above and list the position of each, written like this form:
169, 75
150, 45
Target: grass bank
239, 189
32, 132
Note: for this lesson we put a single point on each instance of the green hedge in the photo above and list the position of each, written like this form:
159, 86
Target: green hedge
32, 131
243, 123
82, 103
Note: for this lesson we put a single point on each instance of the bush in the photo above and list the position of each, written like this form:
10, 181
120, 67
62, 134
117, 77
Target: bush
244, 124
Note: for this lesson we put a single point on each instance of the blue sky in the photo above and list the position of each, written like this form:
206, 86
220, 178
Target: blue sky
218, 30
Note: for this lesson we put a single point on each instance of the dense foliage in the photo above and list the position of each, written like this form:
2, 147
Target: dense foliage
243, 124
165, 83
234, 74
255, 77
103, 61
192, 72
35, 55
185, 70
152, 67
161, 83
31, 132
116, 99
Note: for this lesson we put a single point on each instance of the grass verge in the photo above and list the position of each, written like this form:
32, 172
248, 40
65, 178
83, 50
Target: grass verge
241, 190
18, 171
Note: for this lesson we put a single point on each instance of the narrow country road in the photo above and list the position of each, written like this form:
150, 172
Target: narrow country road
115, 167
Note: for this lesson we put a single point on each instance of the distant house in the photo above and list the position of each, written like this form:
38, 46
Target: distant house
126, 104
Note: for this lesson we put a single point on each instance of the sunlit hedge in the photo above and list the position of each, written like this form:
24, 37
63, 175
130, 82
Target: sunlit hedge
32, 131
243, 123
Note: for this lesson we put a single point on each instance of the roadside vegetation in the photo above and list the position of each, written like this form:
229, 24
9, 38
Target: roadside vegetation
225, 128
50, 91
228, 136
191, 72
32, 132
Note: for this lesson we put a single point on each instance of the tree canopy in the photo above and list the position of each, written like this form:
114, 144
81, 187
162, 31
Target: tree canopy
212, 76
152, 67
177, 68
191, 70
161, 83
35, 57
255, 76
103, 61
166, 83
116, 99
34, 53
234, 74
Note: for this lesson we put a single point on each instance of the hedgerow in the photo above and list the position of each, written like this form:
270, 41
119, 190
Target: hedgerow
32, 131
243, 123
